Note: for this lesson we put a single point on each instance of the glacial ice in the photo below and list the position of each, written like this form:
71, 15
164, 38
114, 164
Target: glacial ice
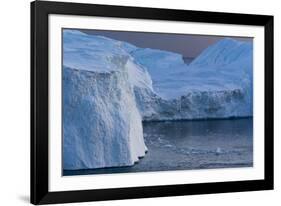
110, 87
102, 126
217, 84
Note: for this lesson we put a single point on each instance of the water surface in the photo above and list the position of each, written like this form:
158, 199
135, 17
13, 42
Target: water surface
185, 145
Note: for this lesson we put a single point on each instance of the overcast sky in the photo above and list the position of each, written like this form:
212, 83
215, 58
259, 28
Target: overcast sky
185, 44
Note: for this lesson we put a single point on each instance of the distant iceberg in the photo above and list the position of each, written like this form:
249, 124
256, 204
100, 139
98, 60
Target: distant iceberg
224, 52
217, 84
110, 87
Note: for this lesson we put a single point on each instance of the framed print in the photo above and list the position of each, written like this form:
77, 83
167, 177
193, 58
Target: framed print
131, 102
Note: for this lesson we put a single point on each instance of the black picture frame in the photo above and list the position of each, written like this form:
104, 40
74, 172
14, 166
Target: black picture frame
40, 114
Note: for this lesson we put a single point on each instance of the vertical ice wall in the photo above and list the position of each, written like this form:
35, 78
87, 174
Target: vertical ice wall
101, 123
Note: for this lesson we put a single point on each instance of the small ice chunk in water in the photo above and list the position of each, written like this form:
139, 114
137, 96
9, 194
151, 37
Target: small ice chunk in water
218, 151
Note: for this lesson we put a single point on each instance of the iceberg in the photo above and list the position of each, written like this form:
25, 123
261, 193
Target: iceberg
217, 84
224, 52
102, 126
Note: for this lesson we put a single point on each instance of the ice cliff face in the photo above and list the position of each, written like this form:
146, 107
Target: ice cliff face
102, 126
109, 87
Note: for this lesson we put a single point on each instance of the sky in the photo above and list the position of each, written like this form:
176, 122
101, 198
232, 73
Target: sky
185, 44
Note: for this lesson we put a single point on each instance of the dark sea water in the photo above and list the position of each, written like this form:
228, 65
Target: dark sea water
186, 145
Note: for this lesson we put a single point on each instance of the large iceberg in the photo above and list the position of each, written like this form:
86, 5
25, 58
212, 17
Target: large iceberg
110, 87
102, 126
217, 84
